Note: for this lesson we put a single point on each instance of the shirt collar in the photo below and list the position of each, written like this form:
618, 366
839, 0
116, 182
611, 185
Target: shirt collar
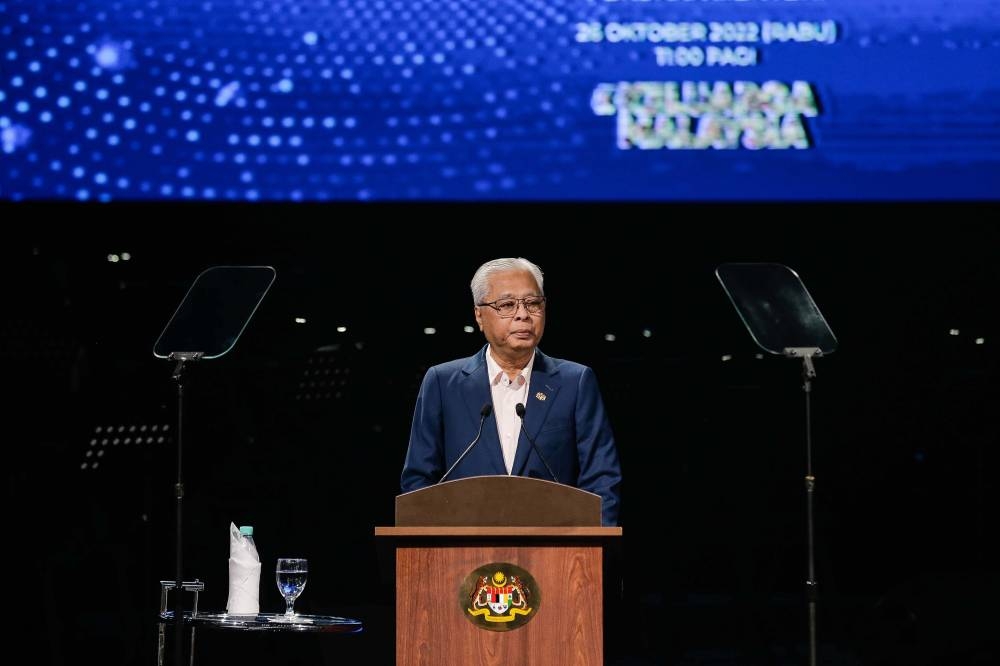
496, 373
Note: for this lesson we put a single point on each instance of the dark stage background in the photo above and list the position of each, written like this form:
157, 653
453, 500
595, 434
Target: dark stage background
301, 429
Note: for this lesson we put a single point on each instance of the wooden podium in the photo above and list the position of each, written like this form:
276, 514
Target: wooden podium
536, 547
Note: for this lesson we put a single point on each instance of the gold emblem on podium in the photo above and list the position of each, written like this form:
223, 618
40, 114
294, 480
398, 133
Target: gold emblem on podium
499, 597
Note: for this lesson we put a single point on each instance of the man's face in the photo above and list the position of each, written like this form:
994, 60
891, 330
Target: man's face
519, 334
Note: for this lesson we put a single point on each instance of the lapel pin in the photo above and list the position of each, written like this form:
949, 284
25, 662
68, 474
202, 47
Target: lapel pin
539, 396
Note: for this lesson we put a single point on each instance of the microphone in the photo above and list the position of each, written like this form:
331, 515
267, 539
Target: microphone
519, 408
486, 410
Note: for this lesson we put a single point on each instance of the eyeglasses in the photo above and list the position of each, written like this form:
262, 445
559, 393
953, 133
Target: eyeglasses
507, 307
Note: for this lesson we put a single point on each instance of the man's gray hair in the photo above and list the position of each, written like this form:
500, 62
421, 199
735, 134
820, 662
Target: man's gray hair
481, 280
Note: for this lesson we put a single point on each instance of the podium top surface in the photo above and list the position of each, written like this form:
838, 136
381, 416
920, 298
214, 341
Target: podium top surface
498, 532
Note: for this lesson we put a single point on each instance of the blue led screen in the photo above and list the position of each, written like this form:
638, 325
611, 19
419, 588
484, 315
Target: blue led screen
533, 100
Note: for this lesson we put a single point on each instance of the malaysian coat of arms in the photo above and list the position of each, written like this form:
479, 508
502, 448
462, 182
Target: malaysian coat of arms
499, 596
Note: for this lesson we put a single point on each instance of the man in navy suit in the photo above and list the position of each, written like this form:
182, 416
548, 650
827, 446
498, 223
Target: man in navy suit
562, 407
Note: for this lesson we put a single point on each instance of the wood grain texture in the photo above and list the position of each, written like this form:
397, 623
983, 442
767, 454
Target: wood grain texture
432, 628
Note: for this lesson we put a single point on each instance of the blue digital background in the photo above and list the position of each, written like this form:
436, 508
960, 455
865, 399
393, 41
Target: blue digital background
456, 100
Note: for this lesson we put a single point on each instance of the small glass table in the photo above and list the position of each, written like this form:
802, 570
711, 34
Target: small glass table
270, 622
260, 623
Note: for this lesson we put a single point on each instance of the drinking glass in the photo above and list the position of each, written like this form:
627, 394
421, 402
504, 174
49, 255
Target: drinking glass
291, 574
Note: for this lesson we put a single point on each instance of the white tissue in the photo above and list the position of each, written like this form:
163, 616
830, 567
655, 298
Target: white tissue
244, 575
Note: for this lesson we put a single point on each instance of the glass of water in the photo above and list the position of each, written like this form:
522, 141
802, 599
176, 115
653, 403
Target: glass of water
291, 574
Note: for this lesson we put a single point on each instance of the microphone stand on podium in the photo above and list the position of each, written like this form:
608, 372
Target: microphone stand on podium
484, 413
519, 408
206, 325
783, 319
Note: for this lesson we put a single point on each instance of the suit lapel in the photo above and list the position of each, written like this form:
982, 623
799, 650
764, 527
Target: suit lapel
476, 393
545, 383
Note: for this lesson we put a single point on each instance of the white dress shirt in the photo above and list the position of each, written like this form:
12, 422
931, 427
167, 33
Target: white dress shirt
506, 394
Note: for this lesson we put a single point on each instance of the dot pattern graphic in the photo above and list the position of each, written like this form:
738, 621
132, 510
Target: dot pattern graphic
383, 100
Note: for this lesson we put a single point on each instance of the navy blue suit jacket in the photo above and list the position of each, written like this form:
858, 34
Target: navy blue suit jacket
564, 414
